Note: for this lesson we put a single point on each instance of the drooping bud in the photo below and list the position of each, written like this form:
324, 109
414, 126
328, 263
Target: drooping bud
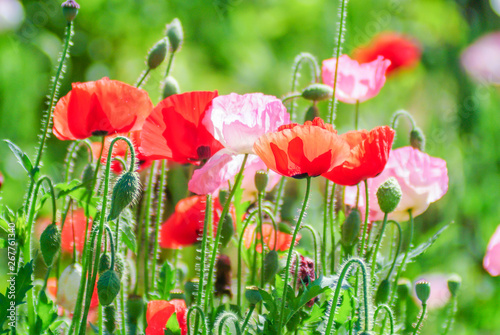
253, 295
417, 139
311, 113
317, 92
227, 230
50, 243
423, 290
67, 287
271, 265
88, 176
403, 288
170, 87
261, 179
108, 287
125, 192
104, 263
70, 10
119, 265
110, 318
388, 195
351, 229
383, 291
175, 34
157, 54
454, 283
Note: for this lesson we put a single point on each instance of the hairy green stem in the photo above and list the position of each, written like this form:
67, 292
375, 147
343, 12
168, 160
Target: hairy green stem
420, 319
159, 217
365, 224
199, 313
247, 318
388, 313
315, 71
240, 265
314, 235
377, 246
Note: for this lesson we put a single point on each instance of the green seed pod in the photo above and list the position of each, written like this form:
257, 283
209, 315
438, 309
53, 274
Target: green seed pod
125, 192
108, 287
261, 179
175, 34
110, 318
403, 288
388, 195
135, 308
317, 92
50, 243
423, 290
70, 10
271, 265
104, 263
88, 176
227, 230
177, 294
454, 283
311, 113
351, 229
383, 290
417, 139
253, 295
170, 87
157, 54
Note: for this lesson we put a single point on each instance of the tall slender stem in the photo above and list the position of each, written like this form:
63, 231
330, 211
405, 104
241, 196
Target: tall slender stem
240, 265
290, 253
333, 220
398, 249
377, 246
169, 64
159, 217
279, 198
247, 318
367, 214
143, 76
147, 225
407, 251
326, 212
356, 116
420, 319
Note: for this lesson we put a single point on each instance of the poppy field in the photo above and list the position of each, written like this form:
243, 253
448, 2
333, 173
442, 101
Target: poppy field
249, 167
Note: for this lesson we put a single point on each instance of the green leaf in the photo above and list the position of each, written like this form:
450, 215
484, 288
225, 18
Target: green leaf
22, 158
23, 281
128, 237
166, 280
46, 313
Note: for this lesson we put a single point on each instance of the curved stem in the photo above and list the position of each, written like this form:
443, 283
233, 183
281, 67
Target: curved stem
240, 243
143, 76
377, 246
315, 243
291, 97
404, 113
367, 214
225, 210
169, 64
389, 314
222, 323
159, 217
279, 198
247, 318
290, 252
420, 319
303, 56
336, 295
188, 318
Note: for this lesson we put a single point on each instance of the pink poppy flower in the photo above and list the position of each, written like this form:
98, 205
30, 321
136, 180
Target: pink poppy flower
491, 261
481, 59
355, 81
237, 121
223, 168
423, 180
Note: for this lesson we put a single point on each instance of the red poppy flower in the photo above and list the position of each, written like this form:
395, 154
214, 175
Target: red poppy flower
369, 155
301, 151
175, 131
119, 150
75, 222
100, 107
159, 312
402, 51
185, 226
282, 243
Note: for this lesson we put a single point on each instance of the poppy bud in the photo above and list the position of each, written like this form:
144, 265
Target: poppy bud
317, 92
383, 291
119, 265
261, 179
109, 318
50, 243
157, 54
312, 113
253, 295
108, 287
70, 10
271, 265
125, 192
227, 230
170, 87
67, 288
285, 228
404, 288
417, 139
104, 263
351, 229
454, 283
88, 176
423, 290
177, 294
135, 308
388, 195
223, 194
175, 34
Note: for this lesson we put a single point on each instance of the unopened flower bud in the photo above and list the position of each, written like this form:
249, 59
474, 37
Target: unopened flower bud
50, 243
388, 195
108, 287
157, 54
110, 318
351, 229
317, 92
383, 290
417, 139
223, 195
175, 34
88, 176
423, 290
271, 265
253, 295
125, 192
311, 113
454, 283
261, 179
227, 230
70, 10
67, 287
170, 87
403, 288
104, 263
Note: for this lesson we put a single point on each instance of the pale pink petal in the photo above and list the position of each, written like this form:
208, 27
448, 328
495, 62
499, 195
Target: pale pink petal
481, 59
355, 82
491, 261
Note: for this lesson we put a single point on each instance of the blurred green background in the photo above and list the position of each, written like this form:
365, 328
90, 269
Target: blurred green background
248, 46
